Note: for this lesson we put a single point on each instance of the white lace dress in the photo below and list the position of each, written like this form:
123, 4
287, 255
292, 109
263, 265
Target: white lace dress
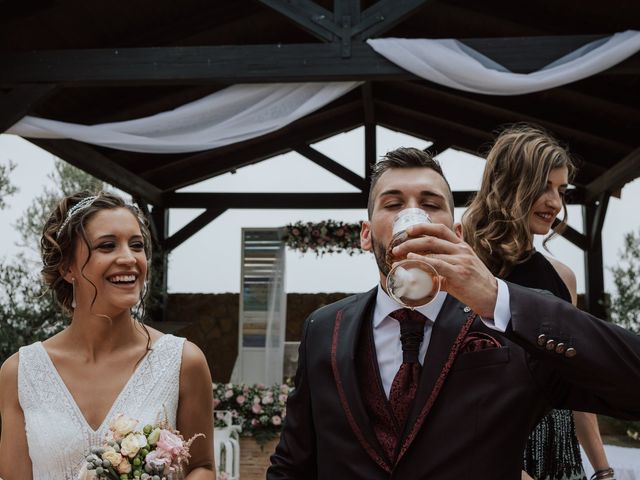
58, 434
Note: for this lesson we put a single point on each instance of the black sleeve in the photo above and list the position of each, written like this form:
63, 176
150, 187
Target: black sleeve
601, 373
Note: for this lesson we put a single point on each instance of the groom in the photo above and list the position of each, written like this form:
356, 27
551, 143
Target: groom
449, 391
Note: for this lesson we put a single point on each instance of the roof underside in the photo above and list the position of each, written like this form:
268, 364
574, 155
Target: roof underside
598, 118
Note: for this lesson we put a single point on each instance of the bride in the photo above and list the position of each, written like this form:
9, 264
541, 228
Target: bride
57, 397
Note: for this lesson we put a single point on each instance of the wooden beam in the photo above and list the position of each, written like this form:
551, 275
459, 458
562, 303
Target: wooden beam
488, 112
383, 15
266, 200
310, 129
463, 136
89, 159
593, 264
574, 236
625, 171
595, 235
257, 63
308, 15
370, 143
159, 264
332, 166
19, 101
191, 228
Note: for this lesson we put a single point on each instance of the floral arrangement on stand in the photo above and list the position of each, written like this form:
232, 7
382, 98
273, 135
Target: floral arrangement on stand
158, 452
328, 236
258, 410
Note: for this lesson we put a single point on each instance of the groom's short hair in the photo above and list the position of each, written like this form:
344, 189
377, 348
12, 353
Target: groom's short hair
405, 157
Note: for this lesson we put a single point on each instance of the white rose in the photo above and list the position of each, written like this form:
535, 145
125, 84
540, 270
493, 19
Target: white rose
132, 443
121, 425
114, 457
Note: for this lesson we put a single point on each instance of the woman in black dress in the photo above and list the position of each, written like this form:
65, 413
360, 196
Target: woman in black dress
522, 192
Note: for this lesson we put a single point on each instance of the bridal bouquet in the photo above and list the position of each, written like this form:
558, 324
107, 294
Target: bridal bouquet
156, 453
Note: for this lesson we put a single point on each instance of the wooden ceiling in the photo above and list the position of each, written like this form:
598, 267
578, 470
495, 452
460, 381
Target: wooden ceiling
95, 62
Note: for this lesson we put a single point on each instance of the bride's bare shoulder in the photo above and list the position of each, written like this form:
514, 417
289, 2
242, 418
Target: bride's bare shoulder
9, 377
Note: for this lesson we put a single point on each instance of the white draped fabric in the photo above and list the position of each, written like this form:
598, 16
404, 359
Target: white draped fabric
246, 111
451, 63
231, 115
276, 320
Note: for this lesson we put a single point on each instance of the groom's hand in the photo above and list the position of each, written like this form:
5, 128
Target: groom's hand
462, 273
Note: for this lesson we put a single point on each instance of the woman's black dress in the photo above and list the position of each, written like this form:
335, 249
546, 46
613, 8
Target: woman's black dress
552, 451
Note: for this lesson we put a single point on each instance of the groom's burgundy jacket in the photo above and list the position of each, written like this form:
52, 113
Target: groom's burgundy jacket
488, 401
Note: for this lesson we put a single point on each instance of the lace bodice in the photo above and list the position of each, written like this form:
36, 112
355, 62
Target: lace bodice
59, 436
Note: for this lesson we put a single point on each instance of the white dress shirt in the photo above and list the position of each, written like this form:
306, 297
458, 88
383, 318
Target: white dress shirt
386, 330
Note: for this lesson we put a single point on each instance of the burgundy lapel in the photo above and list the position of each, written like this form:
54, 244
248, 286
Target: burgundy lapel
343, 347
449, 331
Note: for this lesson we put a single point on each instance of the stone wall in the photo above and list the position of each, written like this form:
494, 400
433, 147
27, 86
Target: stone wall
211, 322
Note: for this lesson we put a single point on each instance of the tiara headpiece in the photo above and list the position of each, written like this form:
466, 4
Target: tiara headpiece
81, 205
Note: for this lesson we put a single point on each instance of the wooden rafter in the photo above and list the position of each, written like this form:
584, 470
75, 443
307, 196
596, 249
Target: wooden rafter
332, 166
624, 171
259, 63
310, 129
19, 101
191, 228
90, 160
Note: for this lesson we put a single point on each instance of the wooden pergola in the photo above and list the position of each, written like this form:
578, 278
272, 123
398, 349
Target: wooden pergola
119, 62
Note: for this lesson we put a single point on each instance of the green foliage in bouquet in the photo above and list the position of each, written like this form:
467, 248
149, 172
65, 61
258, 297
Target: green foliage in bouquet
259, 410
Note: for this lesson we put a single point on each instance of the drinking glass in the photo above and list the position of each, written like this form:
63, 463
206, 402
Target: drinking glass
410, 282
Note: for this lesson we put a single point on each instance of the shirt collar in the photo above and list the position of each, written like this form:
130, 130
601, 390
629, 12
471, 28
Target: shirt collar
385, 305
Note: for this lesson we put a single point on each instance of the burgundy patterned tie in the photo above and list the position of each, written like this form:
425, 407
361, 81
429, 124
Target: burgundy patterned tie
405, 383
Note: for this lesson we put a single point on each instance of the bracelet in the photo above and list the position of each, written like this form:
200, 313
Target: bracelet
605, 473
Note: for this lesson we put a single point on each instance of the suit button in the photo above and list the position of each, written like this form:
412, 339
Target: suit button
542, 340
571, 352
466, 309
560, 348
551, 344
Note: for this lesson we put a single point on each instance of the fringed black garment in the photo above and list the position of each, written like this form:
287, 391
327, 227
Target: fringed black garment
552, 451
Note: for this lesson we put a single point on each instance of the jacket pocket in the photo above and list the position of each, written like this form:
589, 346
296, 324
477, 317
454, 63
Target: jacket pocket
482, 358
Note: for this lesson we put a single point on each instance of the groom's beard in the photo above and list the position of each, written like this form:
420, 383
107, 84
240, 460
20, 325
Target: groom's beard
380, 252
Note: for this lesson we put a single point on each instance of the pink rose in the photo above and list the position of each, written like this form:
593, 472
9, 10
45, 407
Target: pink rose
170, 443
124, 466
228, 394
240, 399
216, 402
256, 408
254, 422
276, 420
283, 398
284, 388
256, 399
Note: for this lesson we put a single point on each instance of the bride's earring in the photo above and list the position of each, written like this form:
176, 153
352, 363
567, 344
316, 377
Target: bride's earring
73, 299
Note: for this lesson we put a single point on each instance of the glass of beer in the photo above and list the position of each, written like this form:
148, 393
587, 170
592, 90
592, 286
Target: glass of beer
411, 283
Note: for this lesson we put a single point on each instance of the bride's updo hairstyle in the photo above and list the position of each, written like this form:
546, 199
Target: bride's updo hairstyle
65, 227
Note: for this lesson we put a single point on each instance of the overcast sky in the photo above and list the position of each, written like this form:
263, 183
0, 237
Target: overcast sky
210, 260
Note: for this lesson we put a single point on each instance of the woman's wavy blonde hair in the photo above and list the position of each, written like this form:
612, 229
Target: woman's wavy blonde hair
496, 223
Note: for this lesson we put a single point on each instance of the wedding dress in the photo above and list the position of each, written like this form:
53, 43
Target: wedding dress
59, 436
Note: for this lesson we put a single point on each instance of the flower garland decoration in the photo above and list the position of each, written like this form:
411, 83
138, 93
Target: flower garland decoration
258, 409
328, 236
